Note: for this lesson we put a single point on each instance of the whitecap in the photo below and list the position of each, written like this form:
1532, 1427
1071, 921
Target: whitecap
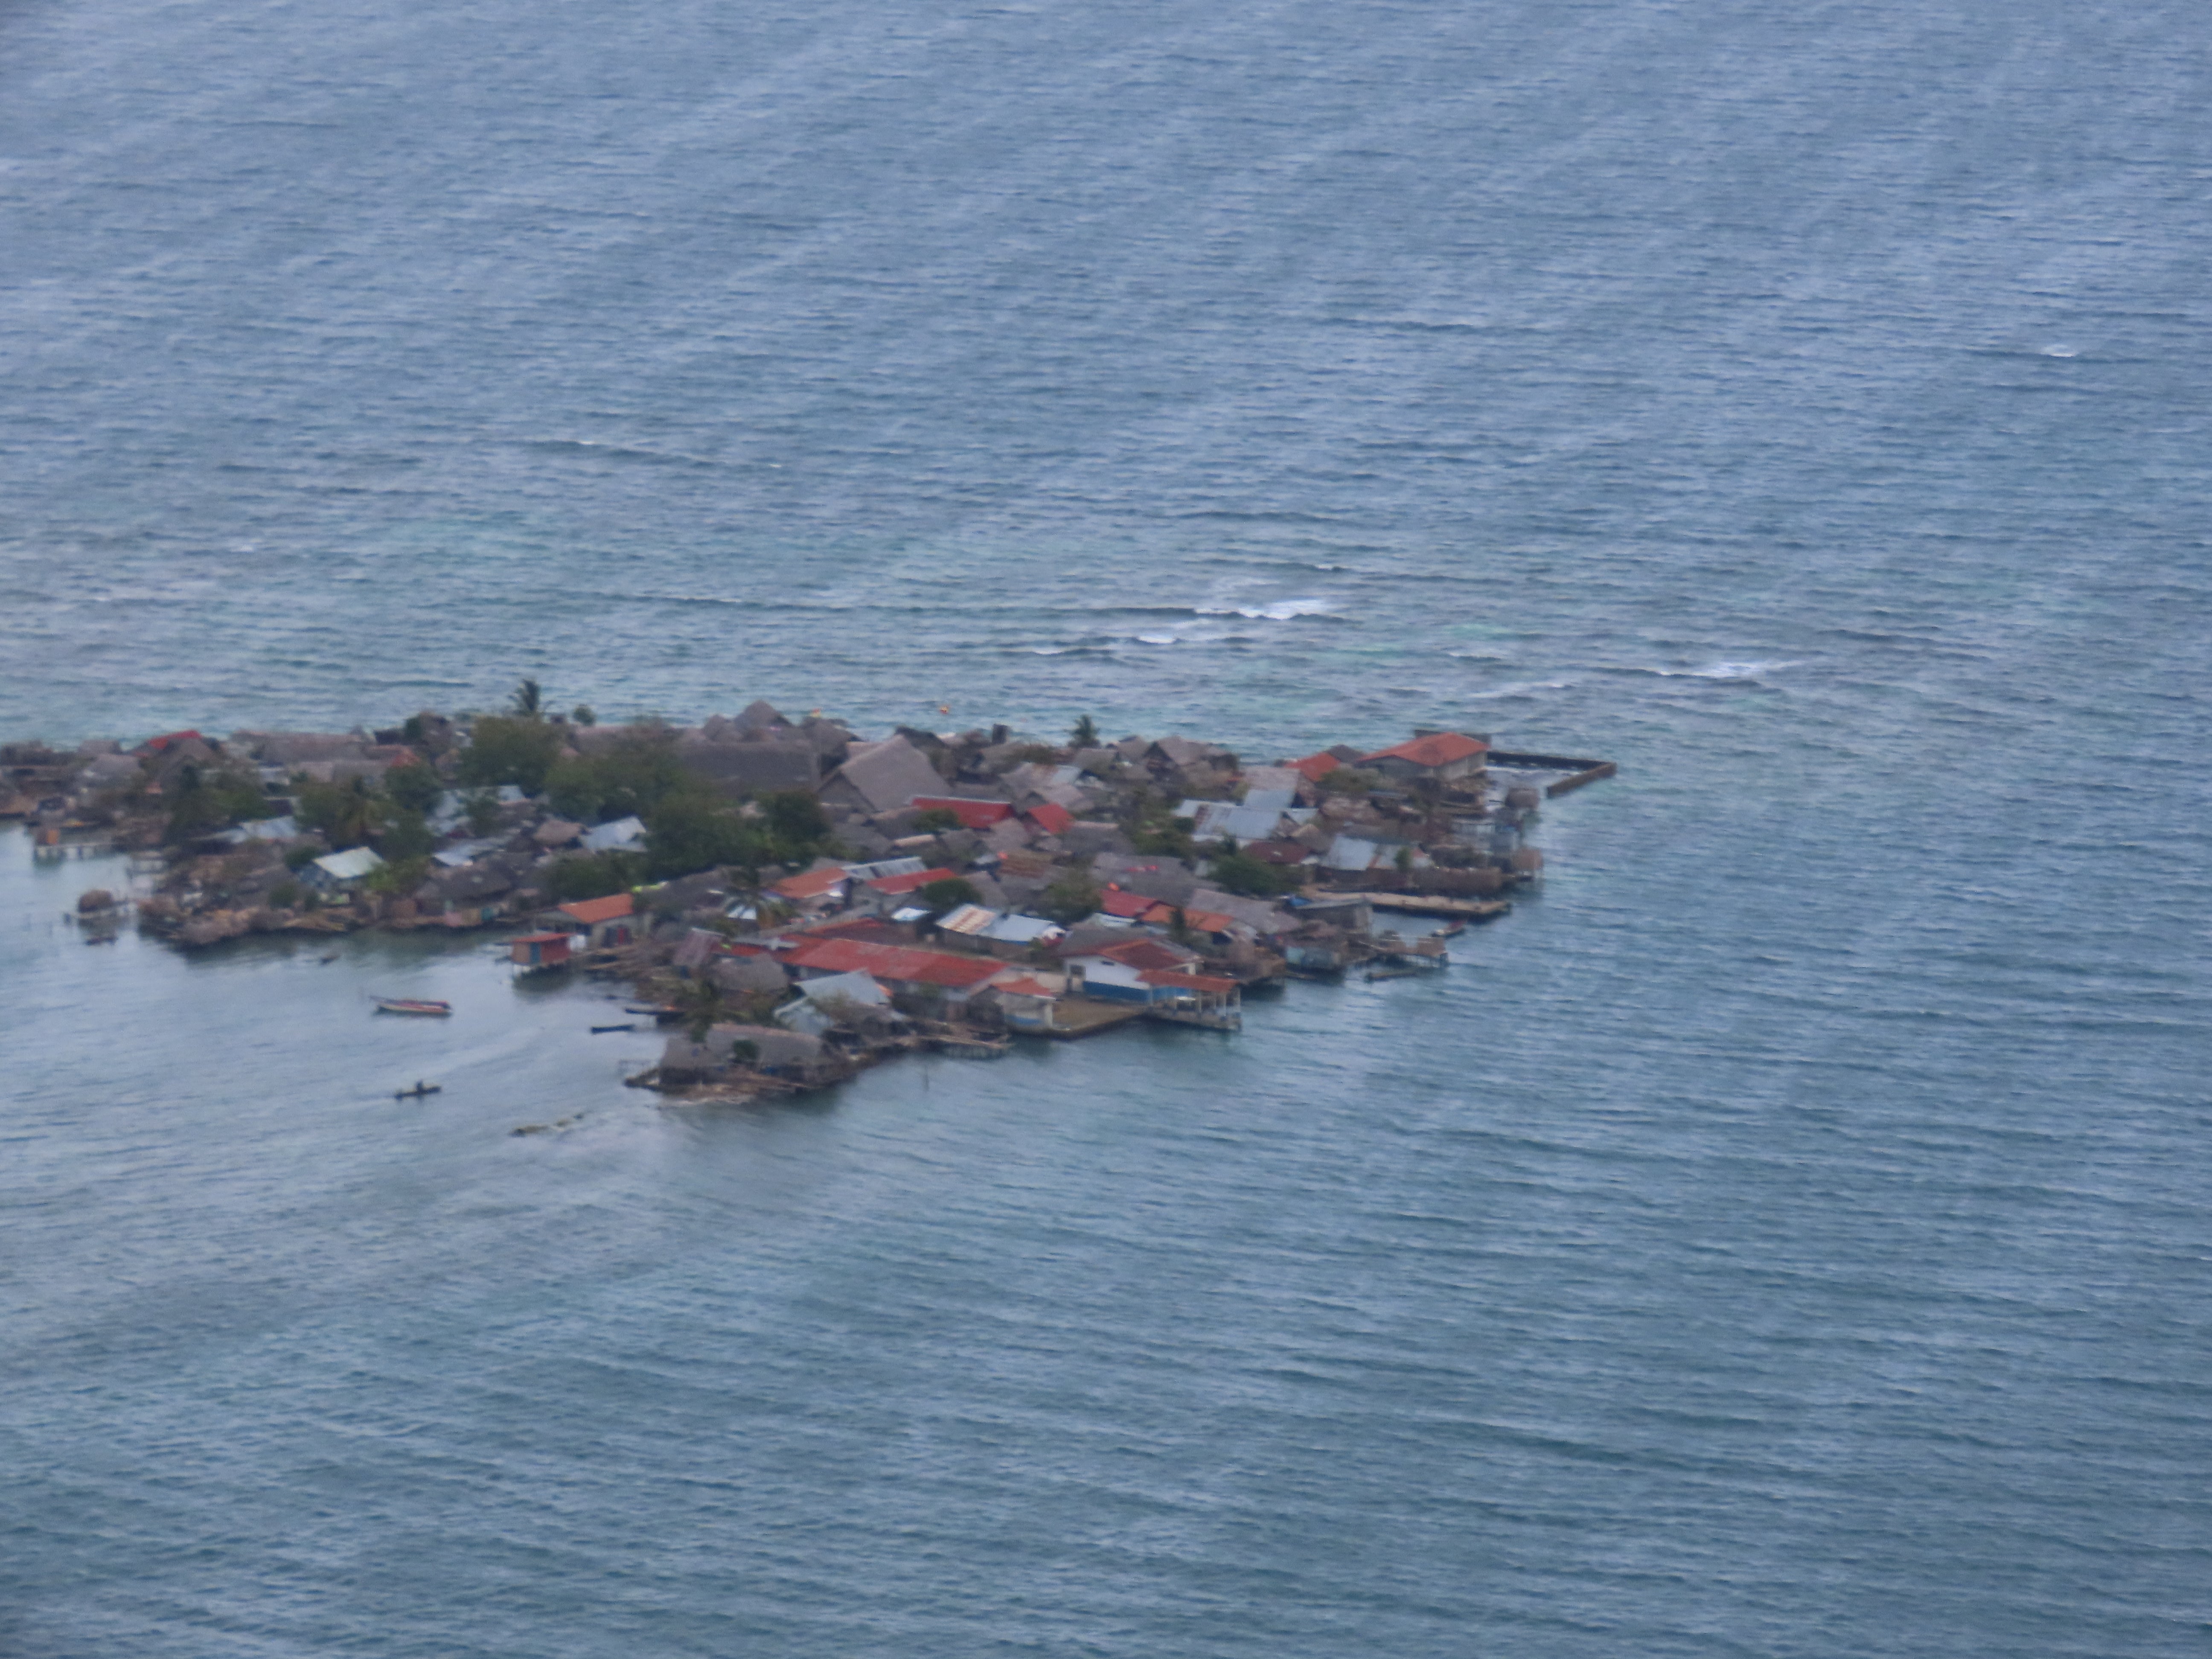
2061, 350
1278, 610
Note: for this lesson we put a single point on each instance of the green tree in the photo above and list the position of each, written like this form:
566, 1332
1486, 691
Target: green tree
796, 823
1084, 734
347, 814
416, 788
633, 777
482, 807
528, 700
505, 749
689, 832
595, 875
936, 820
201, 802
582, 714
1237, 871
1404, 860
401, 877
1071, 898
950, 894
404, 836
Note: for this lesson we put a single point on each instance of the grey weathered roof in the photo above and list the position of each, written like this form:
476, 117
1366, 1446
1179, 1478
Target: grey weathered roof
295, 748
887, 776
745, 769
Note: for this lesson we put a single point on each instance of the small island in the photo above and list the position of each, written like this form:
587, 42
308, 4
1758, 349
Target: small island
796, 901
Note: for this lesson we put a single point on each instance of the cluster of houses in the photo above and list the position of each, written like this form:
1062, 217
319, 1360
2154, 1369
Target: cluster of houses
1097, 881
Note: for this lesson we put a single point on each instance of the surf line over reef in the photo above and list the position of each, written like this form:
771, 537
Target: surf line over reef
799, 901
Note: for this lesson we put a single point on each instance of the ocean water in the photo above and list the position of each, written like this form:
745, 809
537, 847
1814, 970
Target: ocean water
1787, 1234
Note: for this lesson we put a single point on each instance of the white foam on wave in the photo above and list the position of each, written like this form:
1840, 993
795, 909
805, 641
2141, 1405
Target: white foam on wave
1277, 610
1519, 689
2061, 350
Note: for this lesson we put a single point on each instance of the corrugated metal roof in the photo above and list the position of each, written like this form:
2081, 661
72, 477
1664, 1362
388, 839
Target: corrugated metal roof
1051, 818
967, 919
851, 987
612, 837
901, 963
972, 814
910, 880
349, 865
1143, 953
1022, 930
884, 867
1181, 979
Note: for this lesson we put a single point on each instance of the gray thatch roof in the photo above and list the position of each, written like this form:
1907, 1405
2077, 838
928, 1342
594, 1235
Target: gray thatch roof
883, 777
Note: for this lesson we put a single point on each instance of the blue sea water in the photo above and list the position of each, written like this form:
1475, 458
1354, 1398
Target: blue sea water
1786, 1234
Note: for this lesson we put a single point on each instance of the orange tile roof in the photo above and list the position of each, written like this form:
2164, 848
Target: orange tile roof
1314, 768
812, 885
1438, 749
590, 911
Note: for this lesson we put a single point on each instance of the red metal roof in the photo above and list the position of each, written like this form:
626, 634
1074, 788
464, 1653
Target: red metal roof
972, 814
894, 884
1316, 766
1143, 953
1050, 816
539, 939
1027, 986
591, 911
156, 746
1174, 980
1115, 903
1438, 749
905, 964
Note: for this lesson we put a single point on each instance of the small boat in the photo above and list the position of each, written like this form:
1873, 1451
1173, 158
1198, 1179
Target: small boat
411, 1005
600, 1030
418, 1091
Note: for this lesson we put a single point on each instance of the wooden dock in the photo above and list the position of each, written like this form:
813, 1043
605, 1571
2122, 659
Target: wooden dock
1431, 904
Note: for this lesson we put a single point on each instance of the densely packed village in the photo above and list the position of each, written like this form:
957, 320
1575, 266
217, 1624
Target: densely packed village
797, 901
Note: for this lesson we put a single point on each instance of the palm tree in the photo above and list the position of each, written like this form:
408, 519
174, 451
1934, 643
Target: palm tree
529, 699
1085, 733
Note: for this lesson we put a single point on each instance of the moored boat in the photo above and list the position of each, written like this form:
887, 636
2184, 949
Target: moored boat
412, 1006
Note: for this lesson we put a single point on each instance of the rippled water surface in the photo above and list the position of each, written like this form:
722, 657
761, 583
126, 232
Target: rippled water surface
1787, 1234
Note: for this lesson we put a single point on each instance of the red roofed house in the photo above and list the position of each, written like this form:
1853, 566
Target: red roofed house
1314, 768
1209, 999
825, 884
539, 952
1437, 757
1116, 974
972, 814
897, 886
929, 977
605, 922
1049, 818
